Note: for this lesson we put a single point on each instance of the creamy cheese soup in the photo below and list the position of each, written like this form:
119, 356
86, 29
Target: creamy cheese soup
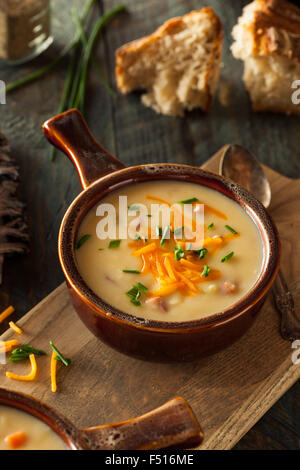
161, 279
21, 431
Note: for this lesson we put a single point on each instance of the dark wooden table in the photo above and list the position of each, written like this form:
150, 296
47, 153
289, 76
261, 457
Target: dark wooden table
134, 134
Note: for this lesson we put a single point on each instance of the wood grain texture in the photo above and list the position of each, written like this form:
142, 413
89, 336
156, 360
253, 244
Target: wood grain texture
136, 134
228, 392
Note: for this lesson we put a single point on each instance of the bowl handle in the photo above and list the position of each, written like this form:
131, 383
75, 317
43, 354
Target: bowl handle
172, 424
69, 132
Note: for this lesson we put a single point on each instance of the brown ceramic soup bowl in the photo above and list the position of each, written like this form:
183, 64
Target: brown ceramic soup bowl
172, 424
101, 173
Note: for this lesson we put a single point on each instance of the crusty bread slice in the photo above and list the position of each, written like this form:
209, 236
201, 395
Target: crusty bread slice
178, 64
267, 39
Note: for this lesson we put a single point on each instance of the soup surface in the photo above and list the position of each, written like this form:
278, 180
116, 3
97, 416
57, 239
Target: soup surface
21, 431
164, 279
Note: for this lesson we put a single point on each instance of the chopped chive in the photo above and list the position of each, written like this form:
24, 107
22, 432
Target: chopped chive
18, 357
210, 226
131, 271
137, 237
138, 296
23, 353
206, 270
61, 358
69, 362
227, 257
29, 349
135, 294
178, 252
82, 240
132, 292
114, 244
189, 201
178, 231
166, 233
100, 249
231, 229
149, 215
202, 252
142, 288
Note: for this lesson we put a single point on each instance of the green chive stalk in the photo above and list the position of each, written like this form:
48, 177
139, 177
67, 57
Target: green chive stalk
94, 62
97, 28
66, 91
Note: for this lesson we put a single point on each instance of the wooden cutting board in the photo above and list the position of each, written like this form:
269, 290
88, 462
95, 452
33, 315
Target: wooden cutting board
229, 391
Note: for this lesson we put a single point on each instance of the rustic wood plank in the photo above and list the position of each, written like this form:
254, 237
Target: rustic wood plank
135, 134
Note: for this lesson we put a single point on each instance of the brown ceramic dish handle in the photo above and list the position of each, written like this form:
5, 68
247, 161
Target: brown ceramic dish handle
172, 424
69, 132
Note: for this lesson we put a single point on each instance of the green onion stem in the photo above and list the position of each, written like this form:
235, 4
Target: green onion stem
76, 82
82, 240
66, 91
97, 28
68, 82
94, 62
65, 361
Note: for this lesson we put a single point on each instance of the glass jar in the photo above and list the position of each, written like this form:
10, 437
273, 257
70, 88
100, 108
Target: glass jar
24, 29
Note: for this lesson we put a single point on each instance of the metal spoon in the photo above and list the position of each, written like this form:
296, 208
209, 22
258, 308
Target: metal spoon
238, 164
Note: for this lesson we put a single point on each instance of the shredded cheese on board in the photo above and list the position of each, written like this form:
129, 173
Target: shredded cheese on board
25, 378
53, 368
8, 311
16, 328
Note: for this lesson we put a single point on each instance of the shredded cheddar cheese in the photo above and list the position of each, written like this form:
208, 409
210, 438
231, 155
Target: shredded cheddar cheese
53, 367
8, 346
214, 211
25, 378
173, 267
190, 265
169, 268
16, 440
8, 311
16, 328
213, 241
190, 284
145, 249
166, 290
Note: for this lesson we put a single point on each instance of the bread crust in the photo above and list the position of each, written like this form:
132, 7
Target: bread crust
276, 29
128, 53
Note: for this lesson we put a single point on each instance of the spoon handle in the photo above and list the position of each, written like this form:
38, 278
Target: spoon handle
230, 160
172, 424
69, 133
290, 323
